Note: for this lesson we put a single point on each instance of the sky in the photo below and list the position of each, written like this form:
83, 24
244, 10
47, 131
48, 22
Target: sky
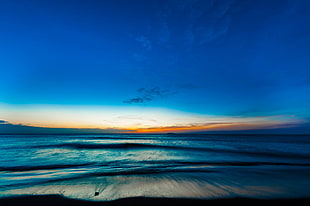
154, 66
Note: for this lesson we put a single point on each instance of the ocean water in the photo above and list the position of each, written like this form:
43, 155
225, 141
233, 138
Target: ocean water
112, 166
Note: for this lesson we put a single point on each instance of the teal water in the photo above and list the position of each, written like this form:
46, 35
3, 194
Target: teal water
112, 166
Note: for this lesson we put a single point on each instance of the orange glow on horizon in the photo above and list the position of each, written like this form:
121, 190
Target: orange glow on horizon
201, 128
135, 119
238, 126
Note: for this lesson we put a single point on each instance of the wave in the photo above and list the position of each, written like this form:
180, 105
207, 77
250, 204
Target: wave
142, 168
42, 167
103, 146
153, 166
134, 146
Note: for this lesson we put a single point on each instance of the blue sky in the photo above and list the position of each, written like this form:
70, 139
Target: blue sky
223, 58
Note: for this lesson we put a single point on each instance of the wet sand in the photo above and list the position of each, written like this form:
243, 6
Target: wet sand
49, 200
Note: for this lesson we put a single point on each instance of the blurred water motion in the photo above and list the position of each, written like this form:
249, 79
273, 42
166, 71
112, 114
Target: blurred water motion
106, 167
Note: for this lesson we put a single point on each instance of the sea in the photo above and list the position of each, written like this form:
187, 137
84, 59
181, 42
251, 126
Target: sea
112, 166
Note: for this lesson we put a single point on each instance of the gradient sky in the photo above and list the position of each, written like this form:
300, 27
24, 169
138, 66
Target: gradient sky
155, 65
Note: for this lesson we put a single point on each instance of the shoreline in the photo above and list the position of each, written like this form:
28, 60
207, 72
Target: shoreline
58, 200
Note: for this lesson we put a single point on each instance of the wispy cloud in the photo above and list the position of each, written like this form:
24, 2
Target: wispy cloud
203, 21
147, 95
217, 24
145, 42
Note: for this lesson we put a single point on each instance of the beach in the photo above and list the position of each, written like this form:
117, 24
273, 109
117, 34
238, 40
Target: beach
51, 200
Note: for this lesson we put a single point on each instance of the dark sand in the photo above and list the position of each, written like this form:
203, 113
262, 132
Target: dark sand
48, 200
